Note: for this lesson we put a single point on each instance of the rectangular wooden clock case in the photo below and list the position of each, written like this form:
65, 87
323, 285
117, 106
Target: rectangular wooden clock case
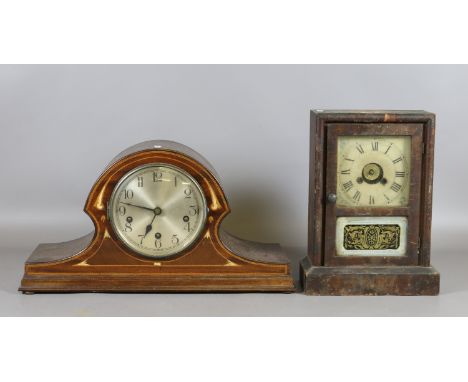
325, 271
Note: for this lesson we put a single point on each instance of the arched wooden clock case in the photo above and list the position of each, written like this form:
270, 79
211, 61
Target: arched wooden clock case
100, 262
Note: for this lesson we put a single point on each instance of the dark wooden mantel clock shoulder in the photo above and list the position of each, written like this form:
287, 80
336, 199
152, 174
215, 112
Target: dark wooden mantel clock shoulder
370, 204
157, 210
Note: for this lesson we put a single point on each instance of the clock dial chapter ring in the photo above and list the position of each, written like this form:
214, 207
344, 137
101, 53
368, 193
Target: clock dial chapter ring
373, 171
167, 207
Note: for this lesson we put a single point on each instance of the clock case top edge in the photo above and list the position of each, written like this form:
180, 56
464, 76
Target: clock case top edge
378, 114
168, 146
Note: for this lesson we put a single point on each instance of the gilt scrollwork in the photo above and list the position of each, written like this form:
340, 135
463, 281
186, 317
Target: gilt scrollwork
371, 237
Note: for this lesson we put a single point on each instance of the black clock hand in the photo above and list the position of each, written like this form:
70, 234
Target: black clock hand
134, 205
157, 211
149, 227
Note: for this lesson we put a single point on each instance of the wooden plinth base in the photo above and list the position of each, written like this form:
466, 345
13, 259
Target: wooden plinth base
369, 281
108, 283
74, 266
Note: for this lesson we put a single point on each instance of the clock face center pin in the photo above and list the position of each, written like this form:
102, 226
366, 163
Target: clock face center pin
157, 211
372, 173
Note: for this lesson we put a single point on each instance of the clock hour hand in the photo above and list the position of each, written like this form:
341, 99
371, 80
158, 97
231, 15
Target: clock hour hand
157, 211
134, 205
149, 227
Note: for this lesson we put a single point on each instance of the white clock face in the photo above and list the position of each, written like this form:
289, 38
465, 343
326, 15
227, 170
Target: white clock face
373, 171
158, 210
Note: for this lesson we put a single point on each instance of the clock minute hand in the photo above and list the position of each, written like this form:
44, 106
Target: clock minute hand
134, 205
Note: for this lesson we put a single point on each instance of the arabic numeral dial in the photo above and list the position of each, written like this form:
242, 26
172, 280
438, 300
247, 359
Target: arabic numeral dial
158, 210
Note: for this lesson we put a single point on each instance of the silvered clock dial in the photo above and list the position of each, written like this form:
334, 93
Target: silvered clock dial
157, 210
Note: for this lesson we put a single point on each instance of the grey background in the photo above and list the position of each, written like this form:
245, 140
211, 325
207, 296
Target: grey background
60, 126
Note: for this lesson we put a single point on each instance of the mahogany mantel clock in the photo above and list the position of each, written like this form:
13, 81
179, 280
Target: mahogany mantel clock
157, 210
370, 202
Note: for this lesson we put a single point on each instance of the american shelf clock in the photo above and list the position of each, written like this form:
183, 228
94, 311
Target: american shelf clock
157, 210
370, 202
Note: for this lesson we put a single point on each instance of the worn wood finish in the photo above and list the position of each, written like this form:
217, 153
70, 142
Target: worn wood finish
370, 281
100, 262
325, 127
411, 211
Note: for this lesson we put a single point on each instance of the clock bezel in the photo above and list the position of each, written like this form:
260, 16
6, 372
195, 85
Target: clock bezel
125, 241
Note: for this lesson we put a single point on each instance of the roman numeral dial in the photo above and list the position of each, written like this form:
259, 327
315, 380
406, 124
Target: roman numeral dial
373, 171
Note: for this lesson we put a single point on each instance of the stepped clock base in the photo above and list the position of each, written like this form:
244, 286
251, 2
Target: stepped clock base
369, 281
130, 283
66, 267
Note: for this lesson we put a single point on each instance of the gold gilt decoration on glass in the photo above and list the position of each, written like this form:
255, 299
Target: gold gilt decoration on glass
371, 237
